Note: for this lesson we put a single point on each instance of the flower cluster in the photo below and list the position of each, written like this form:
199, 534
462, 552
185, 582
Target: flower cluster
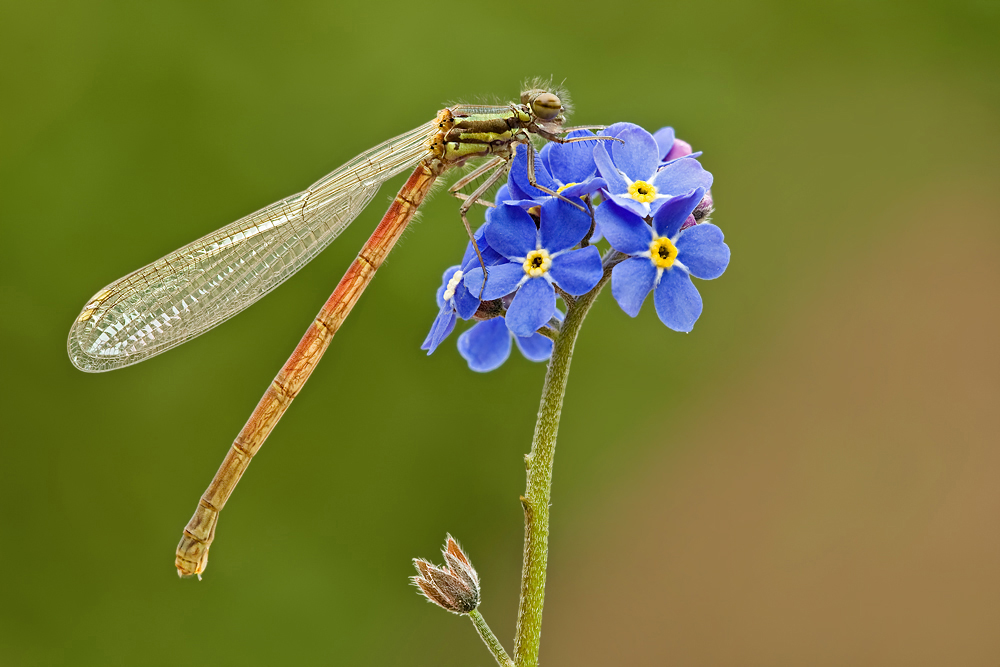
644, 194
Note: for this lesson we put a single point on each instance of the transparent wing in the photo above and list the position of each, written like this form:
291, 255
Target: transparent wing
208, 281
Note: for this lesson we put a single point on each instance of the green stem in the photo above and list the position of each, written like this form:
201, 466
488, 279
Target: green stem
490, 639
539, 463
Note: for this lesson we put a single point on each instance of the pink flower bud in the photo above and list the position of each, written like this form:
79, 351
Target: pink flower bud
679, 149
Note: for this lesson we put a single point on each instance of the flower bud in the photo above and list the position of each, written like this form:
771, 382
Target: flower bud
454, 587
489, 309
701, 212
679, 149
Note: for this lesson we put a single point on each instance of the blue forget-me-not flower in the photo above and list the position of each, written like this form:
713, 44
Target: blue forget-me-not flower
663, 257
636, 176
487, 344
538, 258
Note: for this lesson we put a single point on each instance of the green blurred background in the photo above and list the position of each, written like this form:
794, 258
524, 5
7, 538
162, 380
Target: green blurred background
811, 477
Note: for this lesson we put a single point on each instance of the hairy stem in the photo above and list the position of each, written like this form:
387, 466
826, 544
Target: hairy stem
490, 639
539, 463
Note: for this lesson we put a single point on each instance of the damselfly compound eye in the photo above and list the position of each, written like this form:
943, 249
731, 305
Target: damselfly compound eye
546, 106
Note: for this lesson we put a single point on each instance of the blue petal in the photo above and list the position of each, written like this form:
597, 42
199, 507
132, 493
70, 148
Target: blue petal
615, 129
573, 163
519, 174
532, 307
608, 170
681, 176
490, 256
485, 346
701, 250
469, 252
513, 192
689, 156
677, 300
535, 347
502, 279
466, 303
639, 156
562, 226
664, 140
626, 201
443, 325
631, 281
587, 187
545, 156
624, 230
673, 212
503, 194
577, 271
473, 280
511, 231
527, 204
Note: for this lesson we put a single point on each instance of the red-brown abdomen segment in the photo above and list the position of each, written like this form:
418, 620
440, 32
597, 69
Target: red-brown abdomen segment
192, 552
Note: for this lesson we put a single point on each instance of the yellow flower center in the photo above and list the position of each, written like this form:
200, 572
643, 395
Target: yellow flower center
642, 191
568, 185
662, 252
537, 263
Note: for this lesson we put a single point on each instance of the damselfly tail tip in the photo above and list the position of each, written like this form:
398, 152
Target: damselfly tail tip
188, 568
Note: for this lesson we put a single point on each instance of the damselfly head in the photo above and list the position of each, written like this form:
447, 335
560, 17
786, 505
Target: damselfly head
544, 105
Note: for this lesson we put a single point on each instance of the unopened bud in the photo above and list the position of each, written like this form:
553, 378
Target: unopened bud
489, 309
701, 212
455, 586
679, 149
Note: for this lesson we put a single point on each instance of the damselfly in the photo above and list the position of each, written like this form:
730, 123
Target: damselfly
208, 281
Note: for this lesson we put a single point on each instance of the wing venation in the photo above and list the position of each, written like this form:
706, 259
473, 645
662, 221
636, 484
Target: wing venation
206, 282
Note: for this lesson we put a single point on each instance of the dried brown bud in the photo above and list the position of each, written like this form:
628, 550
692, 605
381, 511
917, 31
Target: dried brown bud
704, 209
701, 213
455, 586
